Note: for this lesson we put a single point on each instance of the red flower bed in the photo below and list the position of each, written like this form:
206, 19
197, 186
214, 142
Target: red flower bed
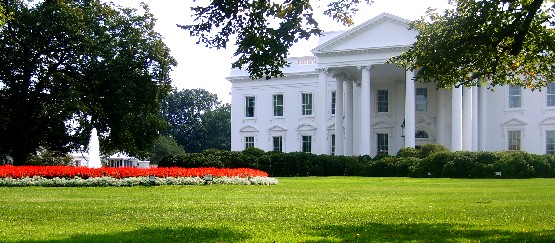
17, 172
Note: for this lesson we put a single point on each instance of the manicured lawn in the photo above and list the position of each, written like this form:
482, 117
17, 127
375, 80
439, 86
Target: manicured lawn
334, 209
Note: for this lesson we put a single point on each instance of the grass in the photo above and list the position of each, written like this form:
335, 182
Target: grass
314, 209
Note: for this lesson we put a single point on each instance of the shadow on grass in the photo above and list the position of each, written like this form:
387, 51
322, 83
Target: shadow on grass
375, 232
160, 235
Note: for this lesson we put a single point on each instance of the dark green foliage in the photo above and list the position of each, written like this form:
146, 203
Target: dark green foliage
431, 166
460, 164
197, 120
408, 152
491, 43
74, 65
164, 146
428, 149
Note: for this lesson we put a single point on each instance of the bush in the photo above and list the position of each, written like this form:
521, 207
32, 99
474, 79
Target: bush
429, 149
408, 153
433, 159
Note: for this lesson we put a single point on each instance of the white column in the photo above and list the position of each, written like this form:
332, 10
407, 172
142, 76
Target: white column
467, 119
440, 136
348, 117
456, 119
321, 113
365, 115
475, 118
339, 117
482, 137
356, 117
410, 114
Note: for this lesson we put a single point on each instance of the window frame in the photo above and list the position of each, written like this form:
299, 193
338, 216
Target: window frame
379, 145
511, 139
250, 106
426, 100
248, 143
333, 102
379, 101
276, 105
547, 144
279, 147
306, 143
517, 97
307, 108
550, 96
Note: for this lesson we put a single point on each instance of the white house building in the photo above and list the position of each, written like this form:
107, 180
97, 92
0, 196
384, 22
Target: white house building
345, 100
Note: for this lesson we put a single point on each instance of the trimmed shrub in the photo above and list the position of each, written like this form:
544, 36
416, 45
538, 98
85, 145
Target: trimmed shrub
408, 153
429, 149
431, 166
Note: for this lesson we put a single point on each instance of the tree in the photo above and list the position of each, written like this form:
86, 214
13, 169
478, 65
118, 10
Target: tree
183, 110
67, 66
499, 41
485, 43
217, 128
164, 146
264, 30
3, 15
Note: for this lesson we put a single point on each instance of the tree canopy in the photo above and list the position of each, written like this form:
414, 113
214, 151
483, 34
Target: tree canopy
197, 120
67, 66
492, 42
264, 30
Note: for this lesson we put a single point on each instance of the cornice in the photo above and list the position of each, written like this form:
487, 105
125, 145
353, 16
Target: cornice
362, 50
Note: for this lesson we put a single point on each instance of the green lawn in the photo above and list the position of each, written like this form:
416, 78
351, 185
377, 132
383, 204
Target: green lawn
314, 209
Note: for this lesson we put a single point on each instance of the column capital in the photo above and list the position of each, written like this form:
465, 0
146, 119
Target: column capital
364, 66
325, 70
343, 77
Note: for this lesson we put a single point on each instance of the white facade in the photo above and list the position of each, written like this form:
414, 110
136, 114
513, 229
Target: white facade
346, 91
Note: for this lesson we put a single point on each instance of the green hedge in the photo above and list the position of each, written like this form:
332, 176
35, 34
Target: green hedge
429, 161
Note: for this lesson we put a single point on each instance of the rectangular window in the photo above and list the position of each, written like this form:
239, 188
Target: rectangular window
421, 99
515, 96
550, 142
278, 143
249, 106
278, 105
383, 101
307, 104
249, 142
307, 144
383, 143
332, 143
333, 102
551, 94
514, 140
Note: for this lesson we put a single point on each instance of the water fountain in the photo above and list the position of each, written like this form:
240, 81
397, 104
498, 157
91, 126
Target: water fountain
94, 150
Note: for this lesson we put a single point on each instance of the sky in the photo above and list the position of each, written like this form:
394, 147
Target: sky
201, 67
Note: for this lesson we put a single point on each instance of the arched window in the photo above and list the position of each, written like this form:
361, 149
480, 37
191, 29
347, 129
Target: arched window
421, 134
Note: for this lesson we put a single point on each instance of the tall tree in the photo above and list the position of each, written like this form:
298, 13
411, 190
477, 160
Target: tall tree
67, 66
183, 110
491, 42
217, 128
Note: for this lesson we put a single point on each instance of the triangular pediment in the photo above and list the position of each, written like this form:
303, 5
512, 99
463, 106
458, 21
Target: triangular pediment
305, 127
248, 128
548, 121
381, 32
277, 128
514, 122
